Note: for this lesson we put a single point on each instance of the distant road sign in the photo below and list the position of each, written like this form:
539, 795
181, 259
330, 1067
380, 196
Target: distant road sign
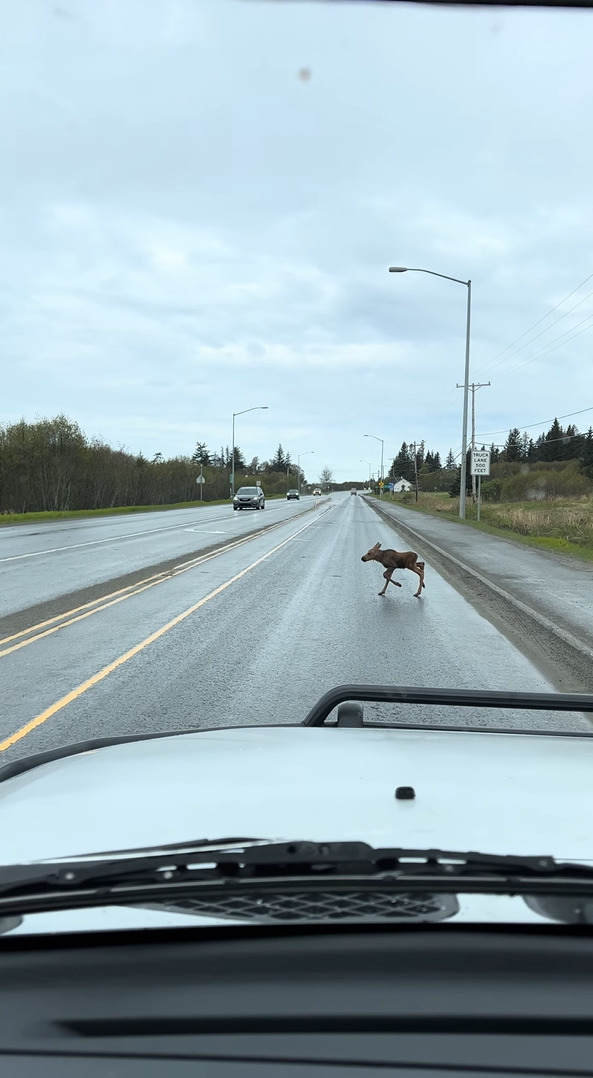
480, 462
200, 479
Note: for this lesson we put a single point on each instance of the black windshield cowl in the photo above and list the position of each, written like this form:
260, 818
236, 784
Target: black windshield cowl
263, 867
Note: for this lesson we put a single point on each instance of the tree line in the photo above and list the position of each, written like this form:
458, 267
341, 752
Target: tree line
415, 457
51, 465
552, 451
557, 444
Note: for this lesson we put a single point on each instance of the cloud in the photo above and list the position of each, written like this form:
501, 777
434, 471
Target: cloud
189, 225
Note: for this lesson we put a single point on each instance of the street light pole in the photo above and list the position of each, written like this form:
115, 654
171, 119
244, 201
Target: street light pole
258, 407
308, 452
468, 285
462, 490
382, 448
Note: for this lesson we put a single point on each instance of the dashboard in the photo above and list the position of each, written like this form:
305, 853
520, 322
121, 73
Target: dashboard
424, 1001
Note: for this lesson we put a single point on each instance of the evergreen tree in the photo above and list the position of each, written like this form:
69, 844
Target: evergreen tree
512, 446
200, 454
403, 464
240, 461
553, 445
279, 462
574, 445
587, 455
450, 461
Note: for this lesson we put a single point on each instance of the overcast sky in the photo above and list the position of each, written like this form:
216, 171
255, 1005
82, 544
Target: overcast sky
200, 199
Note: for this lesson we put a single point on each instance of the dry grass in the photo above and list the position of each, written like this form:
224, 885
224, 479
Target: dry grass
564, 525
557, 519
428, 503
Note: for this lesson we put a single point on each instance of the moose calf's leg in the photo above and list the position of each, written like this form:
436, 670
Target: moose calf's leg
387, 578
421, 584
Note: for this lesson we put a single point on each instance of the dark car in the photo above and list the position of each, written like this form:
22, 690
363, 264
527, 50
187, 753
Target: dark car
292, 494
249, 498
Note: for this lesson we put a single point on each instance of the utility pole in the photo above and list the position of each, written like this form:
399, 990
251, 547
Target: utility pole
473, 387
415, 469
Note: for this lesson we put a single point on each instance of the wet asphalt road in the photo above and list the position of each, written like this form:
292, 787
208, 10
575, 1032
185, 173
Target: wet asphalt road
558, 587
254, 635
39, 562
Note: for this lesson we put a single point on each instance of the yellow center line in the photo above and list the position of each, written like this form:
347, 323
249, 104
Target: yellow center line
72, 621
95, 606
74, 694
75, 610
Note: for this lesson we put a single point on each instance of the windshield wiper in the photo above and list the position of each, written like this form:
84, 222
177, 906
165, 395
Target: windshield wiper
230, 866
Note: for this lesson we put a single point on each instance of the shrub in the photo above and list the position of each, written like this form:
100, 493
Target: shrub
538, 485
491, 490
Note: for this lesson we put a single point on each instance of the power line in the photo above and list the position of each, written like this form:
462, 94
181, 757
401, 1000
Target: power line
564, 338
541, 334
526, 426
539, 321
547, 441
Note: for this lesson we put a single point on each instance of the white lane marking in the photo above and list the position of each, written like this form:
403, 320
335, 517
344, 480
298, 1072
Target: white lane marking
96, 542
101, 674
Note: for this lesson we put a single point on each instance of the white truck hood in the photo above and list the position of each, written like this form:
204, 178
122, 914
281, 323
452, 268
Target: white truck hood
493, 792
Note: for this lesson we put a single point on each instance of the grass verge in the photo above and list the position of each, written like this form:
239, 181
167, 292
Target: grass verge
560, 525
67, 514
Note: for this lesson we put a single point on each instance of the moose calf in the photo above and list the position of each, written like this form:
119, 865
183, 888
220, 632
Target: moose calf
396, 559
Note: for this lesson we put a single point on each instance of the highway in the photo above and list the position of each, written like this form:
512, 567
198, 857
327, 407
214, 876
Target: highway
41, 562
246, 626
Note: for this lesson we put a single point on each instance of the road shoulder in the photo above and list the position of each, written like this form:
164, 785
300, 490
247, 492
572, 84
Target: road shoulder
540, 601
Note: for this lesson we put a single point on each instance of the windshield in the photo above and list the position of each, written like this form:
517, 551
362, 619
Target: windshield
243, 243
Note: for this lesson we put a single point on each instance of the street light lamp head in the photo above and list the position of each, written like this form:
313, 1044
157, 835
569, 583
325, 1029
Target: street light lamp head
398, 269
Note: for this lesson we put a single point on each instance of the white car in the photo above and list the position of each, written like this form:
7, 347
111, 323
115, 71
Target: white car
317, 492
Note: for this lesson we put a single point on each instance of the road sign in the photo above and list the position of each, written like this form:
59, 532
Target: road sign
480, 462
390, 485
200, 479
380, 482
